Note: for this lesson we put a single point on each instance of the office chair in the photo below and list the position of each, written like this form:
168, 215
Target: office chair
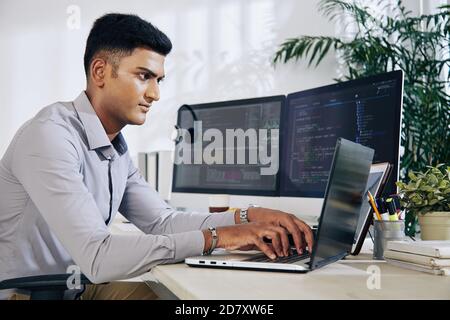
45, 287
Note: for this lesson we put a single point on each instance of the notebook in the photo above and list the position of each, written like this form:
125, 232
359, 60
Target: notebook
437, 249
416, 258
418, 267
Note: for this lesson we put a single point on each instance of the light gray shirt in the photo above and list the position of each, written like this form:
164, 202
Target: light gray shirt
61, 183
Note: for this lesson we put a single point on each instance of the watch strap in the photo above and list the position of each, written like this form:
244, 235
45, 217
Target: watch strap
243, 215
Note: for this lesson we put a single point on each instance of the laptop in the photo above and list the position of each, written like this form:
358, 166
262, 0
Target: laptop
337, 223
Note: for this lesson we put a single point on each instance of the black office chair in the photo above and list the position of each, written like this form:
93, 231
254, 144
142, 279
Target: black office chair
45, 287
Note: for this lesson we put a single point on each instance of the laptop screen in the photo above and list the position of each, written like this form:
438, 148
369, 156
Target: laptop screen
342, 203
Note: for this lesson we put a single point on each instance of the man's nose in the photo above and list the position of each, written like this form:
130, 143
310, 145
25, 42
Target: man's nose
152, 92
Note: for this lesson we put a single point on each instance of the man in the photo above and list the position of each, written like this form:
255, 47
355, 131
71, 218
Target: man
67, 172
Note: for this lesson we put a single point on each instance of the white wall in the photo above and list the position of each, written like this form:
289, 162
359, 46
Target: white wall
222, 50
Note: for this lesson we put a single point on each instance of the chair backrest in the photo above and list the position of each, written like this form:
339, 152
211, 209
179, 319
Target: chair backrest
44, 287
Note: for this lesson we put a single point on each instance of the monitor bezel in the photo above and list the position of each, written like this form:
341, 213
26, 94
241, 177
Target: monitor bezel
233, 191
396, 75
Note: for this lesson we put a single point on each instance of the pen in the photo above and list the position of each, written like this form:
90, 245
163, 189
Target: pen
374, 206
398, 206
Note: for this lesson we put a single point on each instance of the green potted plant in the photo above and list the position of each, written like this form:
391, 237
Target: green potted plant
427, 197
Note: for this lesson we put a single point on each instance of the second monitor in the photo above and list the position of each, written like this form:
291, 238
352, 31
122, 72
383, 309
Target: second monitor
366, 111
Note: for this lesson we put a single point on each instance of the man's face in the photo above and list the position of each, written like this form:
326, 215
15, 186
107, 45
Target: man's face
128, 94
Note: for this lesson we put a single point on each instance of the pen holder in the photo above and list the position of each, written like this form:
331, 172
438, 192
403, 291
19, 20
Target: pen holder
385, 231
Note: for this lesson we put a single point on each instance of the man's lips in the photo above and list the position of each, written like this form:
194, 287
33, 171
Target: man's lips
146, 107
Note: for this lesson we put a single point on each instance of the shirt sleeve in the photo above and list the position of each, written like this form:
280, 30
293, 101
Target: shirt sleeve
46, 162
143, 206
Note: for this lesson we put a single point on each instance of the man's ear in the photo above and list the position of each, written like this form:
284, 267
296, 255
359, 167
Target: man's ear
98, 72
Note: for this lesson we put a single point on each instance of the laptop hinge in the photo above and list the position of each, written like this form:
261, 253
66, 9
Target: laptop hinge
324, 262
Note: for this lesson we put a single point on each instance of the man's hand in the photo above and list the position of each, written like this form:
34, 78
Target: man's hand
300, 231
251, 236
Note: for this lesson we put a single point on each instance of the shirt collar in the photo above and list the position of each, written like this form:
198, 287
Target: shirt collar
96, 134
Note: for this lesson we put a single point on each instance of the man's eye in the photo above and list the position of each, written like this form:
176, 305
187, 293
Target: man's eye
144, 76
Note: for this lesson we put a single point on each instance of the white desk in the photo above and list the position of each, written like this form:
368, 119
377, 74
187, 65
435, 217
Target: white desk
343, 280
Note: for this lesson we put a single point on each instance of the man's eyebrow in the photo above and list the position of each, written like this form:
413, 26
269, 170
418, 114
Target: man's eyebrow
151, 72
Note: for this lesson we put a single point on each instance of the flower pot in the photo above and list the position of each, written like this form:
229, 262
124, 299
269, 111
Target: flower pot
435, 225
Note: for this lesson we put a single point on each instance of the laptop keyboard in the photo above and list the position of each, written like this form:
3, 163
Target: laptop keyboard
289, 259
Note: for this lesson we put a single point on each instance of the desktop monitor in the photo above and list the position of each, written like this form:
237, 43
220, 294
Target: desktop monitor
366, 111
229, 147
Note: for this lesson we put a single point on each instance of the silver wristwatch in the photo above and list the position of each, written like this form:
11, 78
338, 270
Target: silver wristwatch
214, 241
243, 215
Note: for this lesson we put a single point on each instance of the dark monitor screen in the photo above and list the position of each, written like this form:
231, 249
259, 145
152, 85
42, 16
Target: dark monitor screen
229, 147
365, 111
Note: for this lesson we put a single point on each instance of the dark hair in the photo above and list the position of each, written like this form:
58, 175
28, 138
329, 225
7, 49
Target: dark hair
117, 35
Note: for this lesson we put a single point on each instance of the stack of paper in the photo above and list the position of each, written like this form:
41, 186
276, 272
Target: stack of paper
427, 256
